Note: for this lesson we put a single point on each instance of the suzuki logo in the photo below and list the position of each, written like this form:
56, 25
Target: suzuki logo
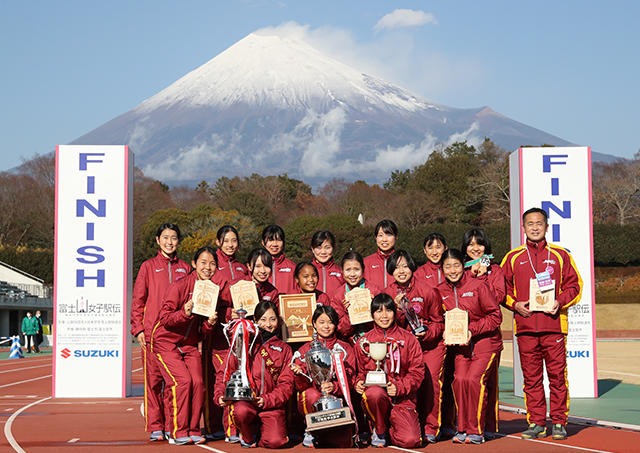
66, 353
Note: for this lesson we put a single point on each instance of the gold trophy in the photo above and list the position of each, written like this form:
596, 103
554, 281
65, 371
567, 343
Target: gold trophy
377, 351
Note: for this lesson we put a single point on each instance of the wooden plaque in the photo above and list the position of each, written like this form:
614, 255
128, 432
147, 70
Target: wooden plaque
245, 295
205, 298
541, 300
456, 326
359, 305
296, 311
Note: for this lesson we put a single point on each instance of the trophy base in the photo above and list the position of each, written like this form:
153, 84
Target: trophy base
376, 378
238, 394
418, 330
328, 419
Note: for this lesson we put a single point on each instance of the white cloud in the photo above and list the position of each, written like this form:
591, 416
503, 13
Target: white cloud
402, 18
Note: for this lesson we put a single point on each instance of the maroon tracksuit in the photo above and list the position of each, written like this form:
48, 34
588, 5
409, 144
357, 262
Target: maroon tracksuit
541, 336
329, 276
230, 268
375, 269
345, 330
396, 415
154, 277
282, 275
494, 278
309, 393
429, 273
174, 342
426, 303
273, 378
475, 362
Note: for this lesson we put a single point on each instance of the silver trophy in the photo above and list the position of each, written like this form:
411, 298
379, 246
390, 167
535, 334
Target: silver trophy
329, 411
238, 387
412, 318
377, 351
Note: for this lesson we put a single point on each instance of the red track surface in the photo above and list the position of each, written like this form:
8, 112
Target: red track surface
38, 424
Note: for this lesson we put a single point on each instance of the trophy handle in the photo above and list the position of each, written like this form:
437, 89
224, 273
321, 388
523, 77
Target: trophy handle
363, 341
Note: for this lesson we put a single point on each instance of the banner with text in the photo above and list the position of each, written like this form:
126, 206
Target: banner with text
92, 280
558, 180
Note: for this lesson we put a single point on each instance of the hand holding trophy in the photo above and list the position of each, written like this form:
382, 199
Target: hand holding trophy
377, 351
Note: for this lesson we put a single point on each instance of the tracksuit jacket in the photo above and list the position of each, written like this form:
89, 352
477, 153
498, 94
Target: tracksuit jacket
282, 275
329, 275
375, 269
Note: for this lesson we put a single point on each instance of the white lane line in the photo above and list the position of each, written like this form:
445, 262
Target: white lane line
555, 444
137, 369
7, 426
26, 368
403, 449
618, 372
26, 380
129, 409
73, 441
206, 447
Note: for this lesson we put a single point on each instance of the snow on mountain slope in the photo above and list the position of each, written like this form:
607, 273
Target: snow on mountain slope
272, 104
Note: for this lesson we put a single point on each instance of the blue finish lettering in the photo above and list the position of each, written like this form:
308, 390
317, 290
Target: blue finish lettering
547, 161
91, 233
91, 184
100, 211
84, 160
81, 277
92, 252
565, 212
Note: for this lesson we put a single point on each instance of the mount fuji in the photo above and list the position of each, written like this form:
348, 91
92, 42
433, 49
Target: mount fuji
272, 104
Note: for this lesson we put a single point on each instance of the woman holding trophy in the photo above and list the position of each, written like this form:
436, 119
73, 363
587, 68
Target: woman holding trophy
421, 312
260, 418
174, 342
325, 320
475, 340
389, 396
476, 246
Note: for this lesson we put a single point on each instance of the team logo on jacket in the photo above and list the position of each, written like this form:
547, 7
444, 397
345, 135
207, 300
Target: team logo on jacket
266, 297
239, 269
181, 270
468, 294
375, 266
285, 269
337, 274
276, 348
159, 270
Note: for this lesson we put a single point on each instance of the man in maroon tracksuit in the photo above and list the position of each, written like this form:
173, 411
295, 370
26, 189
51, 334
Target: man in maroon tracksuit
154, 277
375, 265
542, 335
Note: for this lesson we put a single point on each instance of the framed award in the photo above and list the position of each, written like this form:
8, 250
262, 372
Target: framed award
456, 326
359, 305
244, 295
541, 300
296, 311
205, 298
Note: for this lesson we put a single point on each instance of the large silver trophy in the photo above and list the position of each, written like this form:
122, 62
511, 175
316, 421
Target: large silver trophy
412, 318
238, 387
377, 351
329, 411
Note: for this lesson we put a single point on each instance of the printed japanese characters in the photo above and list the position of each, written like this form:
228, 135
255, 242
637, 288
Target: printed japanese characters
540, 300
245, 295
205, 298
296, 311
456, 327
359, 305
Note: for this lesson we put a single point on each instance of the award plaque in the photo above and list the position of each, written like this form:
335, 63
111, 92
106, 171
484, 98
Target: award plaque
456, 326
205, 298
245, 295
359, 305
541, 300
296, 311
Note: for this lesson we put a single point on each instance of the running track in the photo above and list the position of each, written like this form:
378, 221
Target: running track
32, 422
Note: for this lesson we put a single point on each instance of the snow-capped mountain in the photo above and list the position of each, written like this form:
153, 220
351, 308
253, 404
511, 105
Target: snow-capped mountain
271, 104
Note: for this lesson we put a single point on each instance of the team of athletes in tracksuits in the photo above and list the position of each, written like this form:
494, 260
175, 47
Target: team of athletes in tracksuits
434, 390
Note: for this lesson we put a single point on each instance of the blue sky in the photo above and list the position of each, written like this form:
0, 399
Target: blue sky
569, 67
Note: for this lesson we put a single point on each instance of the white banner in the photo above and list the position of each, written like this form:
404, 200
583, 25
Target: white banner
558, 180
92, 279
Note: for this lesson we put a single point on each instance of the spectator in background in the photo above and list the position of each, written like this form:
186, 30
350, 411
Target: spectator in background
29, 330
39, 335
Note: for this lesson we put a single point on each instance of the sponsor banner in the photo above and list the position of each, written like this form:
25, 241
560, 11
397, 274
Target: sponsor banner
558, 180
92, 283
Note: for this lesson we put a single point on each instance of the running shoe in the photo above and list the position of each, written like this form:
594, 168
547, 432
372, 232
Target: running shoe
534, 431
198, 439
430, 438
378, 441
459, 438
474, 439
307, 442
156, 435
558, 432
232, 439
182, 441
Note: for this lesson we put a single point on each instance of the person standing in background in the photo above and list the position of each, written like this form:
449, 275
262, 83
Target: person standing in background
29, 330
39, 335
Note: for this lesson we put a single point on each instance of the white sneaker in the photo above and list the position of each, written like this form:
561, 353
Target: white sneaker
378, 441
308, 440
232, 439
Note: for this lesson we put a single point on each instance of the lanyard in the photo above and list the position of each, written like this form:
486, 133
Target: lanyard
346, 286
531, 261
455, 295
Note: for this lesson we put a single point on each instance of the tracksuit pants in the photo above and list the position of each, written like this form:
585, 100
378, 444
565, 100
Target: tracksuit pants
470, 378
399, 421
270, 424
536, 351
181, 369
430, 393
155, 413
